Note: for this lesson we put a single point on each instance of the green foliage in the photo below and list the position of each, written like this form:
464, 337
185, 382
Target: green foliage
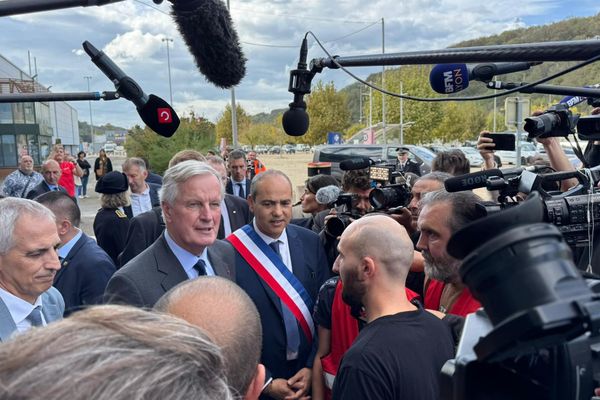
193, 133
223, 126
328, 111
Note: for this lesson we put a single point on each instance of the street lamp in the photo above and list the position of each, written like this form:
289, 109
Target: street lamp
167, 40
88, 78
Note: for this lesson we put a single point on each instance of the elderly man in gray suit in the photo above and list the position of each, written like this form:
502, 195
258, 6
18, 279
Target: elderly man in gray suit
190, 200
28, 264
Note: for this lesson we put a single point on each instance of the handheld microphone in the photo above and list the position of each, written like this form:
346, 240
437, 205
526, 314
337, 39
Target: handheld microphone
355, 163
571, 101
154, 111
295, 120
208, 31
452, 78
327, 194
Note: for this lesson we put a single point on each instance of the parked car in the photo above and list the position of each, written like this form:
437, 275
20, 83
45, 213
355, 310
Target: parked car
288, 149
377, 152
437, 148
275, 150
510, 157
261, 148
473, 156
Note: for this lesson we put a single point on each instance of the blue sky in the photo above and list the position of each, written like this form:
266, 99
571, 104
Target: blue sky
270, 32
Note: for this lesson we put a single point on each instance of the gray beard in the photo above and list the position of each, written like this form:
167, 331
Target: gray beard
444, 270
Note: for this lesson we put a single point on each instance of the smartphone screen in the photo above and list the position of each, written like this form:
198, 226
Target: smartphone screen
503, 141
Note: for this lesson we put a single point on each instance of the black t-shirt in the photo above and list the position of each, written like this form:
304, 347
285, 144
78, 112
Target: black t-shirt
396, 357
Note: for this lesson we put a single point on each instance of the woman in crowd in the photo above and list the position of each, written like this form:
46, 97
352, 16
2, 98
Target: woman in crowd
68, 167
102, 165
85, 167
308, 200
112, 220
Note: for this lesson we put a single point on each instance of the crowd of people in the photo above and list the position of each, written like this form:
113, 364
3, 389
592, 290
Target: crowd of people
200, 284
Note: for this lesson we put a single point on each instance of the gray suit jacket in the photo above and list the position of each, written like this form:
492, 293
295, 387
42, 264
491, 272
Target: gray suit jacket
53, 307
144, 279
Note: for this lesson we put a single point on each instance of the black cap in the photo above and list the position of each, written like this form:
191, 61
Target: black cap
402, 149
112, 183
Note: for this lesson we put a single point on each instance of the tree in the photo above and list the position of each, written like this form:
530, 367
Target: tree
328, 111
223, 126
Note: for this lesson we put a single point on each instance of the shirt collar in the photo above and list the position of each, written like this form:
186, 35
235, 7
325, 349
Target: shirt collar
144, 193
63, 251
18, 308
268, 239
185, 258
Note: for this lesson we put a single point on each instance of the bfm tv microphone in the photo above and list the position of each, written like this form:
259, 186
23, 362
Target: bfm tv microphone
208, 31
154, 111
452, 78
327, 194
295, 120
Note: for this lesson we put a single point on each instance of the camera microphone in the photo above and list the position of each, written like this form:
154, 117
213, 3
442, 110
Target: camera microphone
355, 163
327, 194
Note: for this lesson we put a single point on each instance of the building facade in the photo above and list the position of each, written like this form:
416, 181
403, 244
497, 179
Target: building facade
31, 128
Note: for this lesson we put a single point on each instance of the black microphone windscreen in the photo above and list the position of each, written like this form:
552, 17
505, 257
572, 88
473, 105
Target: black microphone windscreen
470, 181
159, 116
295, 121
355, 163
208, 31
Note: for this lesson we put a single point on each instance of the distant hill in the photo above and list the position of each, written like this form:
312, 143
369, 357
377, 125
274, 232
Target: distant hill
85, 131
264, 118
568, 29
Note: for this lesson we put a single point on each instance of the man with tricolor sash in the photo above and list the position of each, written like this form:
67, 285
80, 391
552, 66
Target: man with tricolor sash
281, 267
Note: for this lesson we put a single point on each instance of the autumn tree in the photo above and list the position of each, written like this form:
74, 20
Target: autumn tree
223, 126
328, 111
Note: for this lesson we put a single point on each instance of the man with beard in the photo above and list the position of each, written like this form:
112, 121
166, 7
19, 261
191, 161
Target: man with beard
399, 353
442, 214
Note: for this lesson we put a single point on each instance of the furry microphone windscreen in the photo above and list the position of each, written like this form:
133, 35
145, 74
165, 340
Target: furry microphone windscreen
208, 31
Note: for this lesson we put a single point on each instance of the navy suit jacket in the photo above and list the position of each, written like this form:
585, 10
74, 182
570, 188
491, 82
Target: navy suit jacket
154, 199
83, 275
42, 188
309, 265
229, 187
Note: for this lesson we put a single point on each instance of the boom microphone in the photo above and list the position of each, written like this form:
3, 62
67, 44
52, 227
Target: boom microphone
154, 111
295, 120
451, 78
327, 194
208, 31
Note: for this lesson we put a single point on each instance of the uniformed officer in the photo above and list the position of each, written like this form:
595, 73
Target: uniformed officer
405, 164
112, 220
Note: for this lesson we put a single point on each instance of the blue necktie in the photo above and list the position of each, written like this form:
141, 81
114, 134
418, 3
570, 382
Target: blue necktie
289, 320
35, 317
200, 266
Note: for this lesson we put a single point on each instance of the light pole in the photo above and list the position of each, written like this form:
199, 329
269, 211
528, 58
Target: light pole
167, 40
234, 127
383, 80
88, 78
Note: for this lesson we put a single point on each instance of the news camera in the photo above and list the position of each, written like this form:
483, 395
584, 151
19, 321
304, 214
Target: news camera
391, 193
537, 335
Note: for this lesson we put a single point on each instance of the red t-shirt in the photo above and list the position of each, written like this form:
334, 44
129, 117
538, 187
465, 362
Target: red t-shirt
67, 179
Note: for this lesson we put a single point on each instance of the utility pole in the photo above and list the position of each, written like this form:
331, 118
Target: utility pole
167, 40
88, 78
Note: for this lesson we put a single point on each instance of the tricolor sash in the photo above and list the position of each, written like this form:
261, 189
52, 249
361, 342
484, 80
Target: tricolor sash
270, 267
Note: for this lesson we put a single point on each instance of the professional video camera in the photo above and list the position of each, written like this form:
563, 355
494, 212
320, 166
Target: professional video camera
575, 212
390, 194
557, 120
537, 337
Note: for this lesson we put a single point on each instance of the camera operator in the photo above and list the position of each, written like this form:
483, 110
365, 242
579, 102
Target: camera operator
309, 202
442, 214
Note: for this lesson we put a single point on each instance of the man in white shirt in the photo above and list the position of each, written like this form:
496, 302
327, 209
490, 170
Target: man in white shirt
28, 264
144, 195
